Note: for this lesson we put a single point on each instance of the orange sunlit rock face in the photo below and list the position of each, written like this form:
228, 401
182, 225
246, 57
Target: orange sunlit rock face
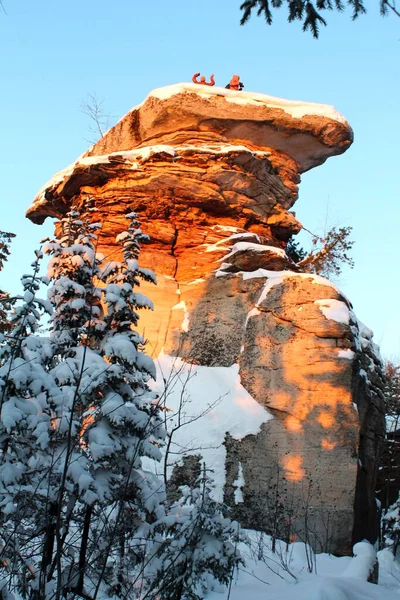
293, 424
204, 174
292, 466
326, 419
327, 444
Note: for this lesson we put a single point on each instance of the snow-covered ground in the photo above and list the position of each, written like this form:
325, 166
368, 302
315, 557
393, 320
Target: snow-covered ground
285, 574
292, 571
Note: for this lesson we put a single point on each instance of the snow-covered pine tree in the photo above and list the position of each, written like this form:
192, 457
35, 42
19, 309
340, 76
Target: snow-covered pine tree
125, 424
77, 493
25, 423
5, 301
80, 514
391, 526
108, 419
198, 547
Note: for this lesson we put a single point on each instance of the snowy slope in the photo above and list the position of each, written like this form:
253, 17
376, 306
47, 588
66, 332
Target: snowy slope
284, 575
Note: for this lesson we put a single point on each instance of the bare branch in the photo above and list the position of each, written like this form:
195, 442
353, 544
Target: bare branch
100, 120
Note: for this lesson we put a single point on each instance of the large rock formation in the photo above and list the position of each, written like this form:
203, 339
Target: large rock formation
212, 174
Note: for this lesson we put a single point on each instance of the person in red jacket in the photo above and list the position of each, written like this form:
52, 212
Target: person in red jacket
235, 83
203, 79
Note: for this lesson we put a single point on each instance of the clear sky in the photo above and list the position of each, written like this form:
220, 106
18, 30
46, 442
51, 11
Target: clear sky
54, 52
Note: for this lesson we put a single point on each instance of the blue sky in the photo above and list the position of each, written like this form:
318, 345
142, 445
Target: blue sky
54, 53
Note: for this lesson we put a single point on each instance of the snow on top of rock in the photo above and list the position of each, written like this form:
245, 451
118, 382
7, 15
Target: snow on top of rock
362, 564
53, 181
365, 334
133, 156
334, 310
244, 246
295, 108
225, 228
182, 306
128, 155
348, 354
220, 246
277, 277
364, 339
238, 484
245, 234
221, 149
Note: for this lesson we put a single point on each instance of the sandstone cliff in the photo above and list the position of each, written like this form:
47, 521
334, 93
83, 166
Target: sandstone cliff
213, 174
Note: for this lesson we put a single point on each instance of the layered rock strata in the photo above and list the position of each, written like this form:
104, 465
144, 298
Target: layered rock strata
213, 174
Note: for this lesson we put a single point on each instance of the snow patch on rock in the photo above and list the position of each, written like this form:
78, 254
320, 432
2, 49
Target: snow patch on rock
334, 310
185, 323
211, 402
238, 484
348, 354
244, 246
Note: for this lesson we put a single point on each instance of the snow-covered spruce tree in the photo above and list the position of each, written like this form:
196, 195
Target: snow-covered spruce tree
108, 419
197, 548
80, 515
126, 425
391, 526
5, 301
25, 387
83, 420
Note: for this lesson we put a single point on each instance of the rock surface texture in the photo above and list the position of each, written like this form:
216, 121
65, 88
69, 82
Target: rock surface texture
213, 174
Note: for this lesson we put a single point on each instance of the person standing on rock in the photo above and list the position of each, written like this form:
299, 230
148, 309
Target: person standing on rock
203, 79
235, 83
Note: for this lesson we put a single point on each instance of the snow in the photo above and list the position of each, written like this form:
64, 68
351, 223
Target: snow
238, 484
181, 305
245, 235
185, 322
348, 354
217, 246
254, 312
220, 149
277, 277
363, 562
365, 339
389, 569
365, 334
284, 574
334, 310
225, 228
214, 402
144, 154
244, 246
88, 161
295, 108
240, 247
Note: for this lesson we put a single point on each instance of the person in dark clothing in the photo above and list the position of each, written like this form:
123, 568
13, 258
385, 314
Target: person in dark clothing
235, 83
